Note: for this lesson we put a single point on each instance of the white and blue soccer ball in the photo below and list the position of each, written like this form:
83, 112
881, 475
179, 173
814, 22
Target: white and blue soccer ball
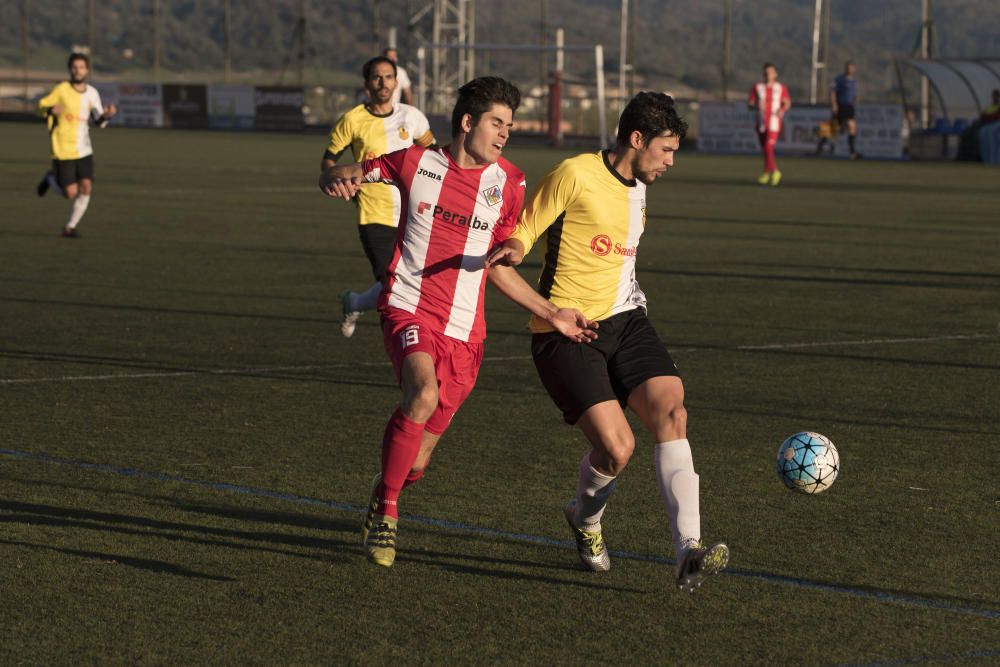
808, 462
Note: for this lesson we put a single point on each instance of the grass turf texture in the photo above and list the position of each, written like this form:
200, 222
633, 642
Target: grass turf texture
206, 279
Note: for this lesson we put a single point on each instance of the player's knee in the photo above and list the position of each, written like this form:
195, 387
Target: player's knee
618, 451
86, 188
669, 419
420, 403
677, 419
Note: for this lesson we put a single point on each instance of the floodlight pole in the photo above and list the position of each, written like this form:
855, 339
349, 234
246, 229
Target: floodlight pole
823, 87
602, 114
925, 53
817, 14
90, 30
622, 56
727, 49
25, 22
156, 40
422, 78
302, 40
633, 21
226, 41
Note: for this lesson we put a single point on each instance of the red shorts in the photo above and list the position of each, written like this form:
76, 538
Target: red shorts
768, 137
456, 363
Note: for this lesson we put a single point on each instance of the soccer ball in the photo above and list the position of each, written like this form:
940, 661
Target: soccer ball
808, 462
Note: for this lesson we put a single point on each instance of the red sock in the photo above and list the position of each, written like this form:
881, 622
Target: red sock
400, 447
769, 162
412, 478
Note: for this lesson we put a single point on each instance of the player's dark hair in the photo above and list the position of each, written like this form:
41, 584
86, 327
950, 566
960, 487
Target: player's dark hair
366, 69
73, 57
766, 65
651, 114
477, 96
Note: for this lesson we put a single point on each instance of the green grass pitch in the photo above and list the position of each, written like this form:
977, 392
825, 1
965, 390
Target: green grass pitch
189, 340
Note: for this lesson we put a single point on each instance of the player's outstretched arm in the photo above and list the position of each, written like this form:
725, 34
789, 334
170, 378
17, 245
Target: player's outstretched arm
509, 253
567, 321
342, 181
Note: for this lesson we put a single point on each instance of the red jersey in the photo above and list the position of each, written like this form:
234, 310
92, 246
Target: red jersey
450, 218
767, 100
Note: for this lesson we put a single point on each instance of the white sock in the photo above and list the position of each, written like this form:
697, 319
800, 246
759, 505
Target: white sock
679, 491
53, 183
593, 490
367, 300
77, 209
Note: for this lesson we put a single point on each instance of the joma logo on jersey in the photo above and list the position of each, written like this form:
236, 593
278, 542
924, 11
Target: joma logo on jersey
601, 245
455, 218
429, 174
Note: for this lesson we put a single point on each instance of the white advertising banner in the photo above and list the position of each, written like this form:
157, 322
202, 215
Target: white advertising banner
231, 107
139, 104
729, 127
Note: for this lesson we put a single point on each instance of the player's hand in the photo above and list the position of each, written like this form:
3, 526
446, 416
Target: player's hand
507, 254
574, 325
339, 187
56, 110
110, 110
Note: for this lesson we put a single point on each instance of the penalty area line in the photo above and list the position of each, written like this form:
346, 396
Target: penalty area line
541, 540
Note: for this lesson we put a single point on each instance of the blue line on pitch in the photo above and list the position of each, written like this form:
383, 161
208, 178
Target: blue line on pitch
480, 530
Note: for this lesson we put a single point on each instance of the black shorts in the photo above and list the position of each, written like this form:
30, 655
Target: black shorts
378, 242
73, 171
577, 376
845, 112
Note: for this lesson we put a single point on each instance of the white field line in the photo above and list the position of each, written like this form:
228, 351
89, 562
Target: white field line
867, 341
282, 369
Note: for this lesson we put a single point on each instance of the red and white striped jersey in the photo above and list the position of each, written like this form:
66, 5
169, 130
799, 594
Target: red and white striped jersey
767, 100
449, 220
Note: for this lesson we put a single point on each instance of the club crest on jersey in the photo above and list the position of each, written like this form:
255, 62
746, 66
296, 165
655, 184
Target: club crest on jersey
403, 134
493, 195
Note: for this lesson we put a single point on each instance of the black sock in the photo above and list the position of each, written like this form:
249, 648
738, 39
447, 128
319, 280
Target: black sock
850, 142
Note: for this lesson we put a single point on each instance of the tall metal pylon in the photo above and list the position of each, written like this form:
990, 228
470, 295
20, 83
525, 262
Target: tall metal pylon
446, 31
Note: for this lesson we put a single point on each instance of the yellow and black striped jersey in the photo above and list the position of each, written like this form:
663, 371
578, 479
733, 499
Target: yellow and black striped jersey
592, 219
369, 136
70, 130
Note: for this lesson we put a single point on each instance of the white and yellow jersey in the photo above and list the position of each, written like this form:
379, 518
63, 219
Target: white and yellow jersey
70, 130
592, 218
369, 136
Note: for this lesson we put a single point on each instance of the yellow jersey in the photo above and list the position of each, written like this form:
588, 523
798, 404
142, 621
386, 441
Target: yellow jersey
70, 130
369, 135
592, 219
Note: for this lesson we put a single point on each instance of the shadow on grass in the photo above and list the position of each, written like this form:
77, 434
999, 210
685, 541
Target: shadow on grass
147, 564
105, 522
439, 560
933, 600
